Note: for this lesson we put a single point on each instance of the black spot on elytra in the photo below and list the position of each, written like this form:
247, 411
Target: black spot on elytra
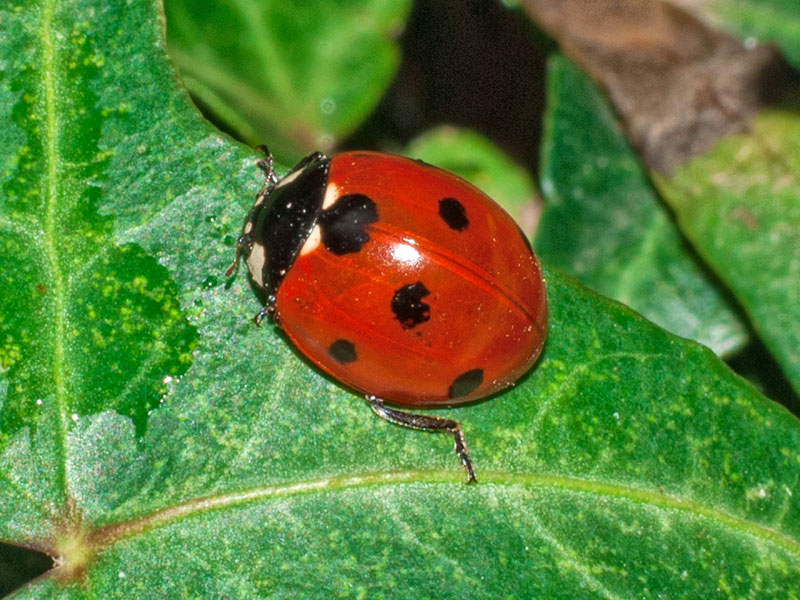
453, 213
343, 351
466, 383
408, 307
343, 224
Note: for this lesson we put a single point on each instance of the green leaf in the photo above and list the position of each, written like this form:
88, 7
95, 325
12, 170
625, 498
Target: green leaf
90, 322
628, 463
738, 205
602, 460
476, 159
298, 74
604, 224
769, 21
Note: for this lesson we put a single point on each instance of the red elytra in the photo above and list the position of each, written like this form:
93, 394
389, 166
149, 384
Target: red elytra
399, 279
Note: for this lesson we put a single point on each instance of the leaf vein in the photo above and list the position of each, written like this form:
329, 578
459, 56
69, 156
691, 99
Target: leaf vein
116, 531
53, 162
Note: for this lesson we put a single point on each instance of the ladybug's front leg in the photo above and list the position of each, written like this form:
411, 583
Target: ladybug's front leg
267, 165
240, 243
426, 423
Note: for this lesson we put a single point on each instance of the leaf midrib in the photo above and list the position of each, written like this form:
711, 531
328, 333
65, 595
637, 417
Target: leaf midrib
53, 160
112, 533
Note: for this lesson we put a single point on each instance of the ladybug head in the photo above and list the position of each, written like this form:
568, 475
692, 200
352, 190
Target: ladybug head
282, 218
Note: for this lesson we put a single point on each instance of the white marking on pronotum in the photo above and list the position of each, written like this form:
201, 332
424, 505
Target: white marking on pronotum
289, 178
260, 198
331, 196
312, 241
248, 227
255, 263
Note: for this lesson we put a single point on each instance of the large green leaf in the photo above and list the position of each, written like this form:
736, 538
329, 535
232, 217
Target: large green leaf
90, 321
765, 21
739, 206
629, 463
298, 74
604, 224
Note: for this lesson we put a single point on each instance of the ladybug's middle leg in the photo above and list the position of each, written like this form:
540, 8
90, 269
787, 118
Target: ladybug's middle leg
426, 423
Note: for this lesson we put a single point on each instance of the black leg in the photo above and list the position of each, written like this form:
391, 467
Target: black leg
267, 312
239, 245
267, 165
426, 423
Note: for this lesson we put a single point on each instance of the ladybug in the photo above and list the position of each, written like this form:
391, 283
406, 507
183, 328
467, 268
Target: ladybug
398, 279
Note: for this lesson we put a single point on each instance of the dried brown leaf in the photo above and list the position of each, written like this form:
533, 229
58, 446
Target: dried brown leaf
678, 84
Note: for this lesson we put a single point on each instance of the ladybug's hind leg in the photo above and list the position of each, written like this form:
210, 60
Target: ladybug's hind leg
426, 423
